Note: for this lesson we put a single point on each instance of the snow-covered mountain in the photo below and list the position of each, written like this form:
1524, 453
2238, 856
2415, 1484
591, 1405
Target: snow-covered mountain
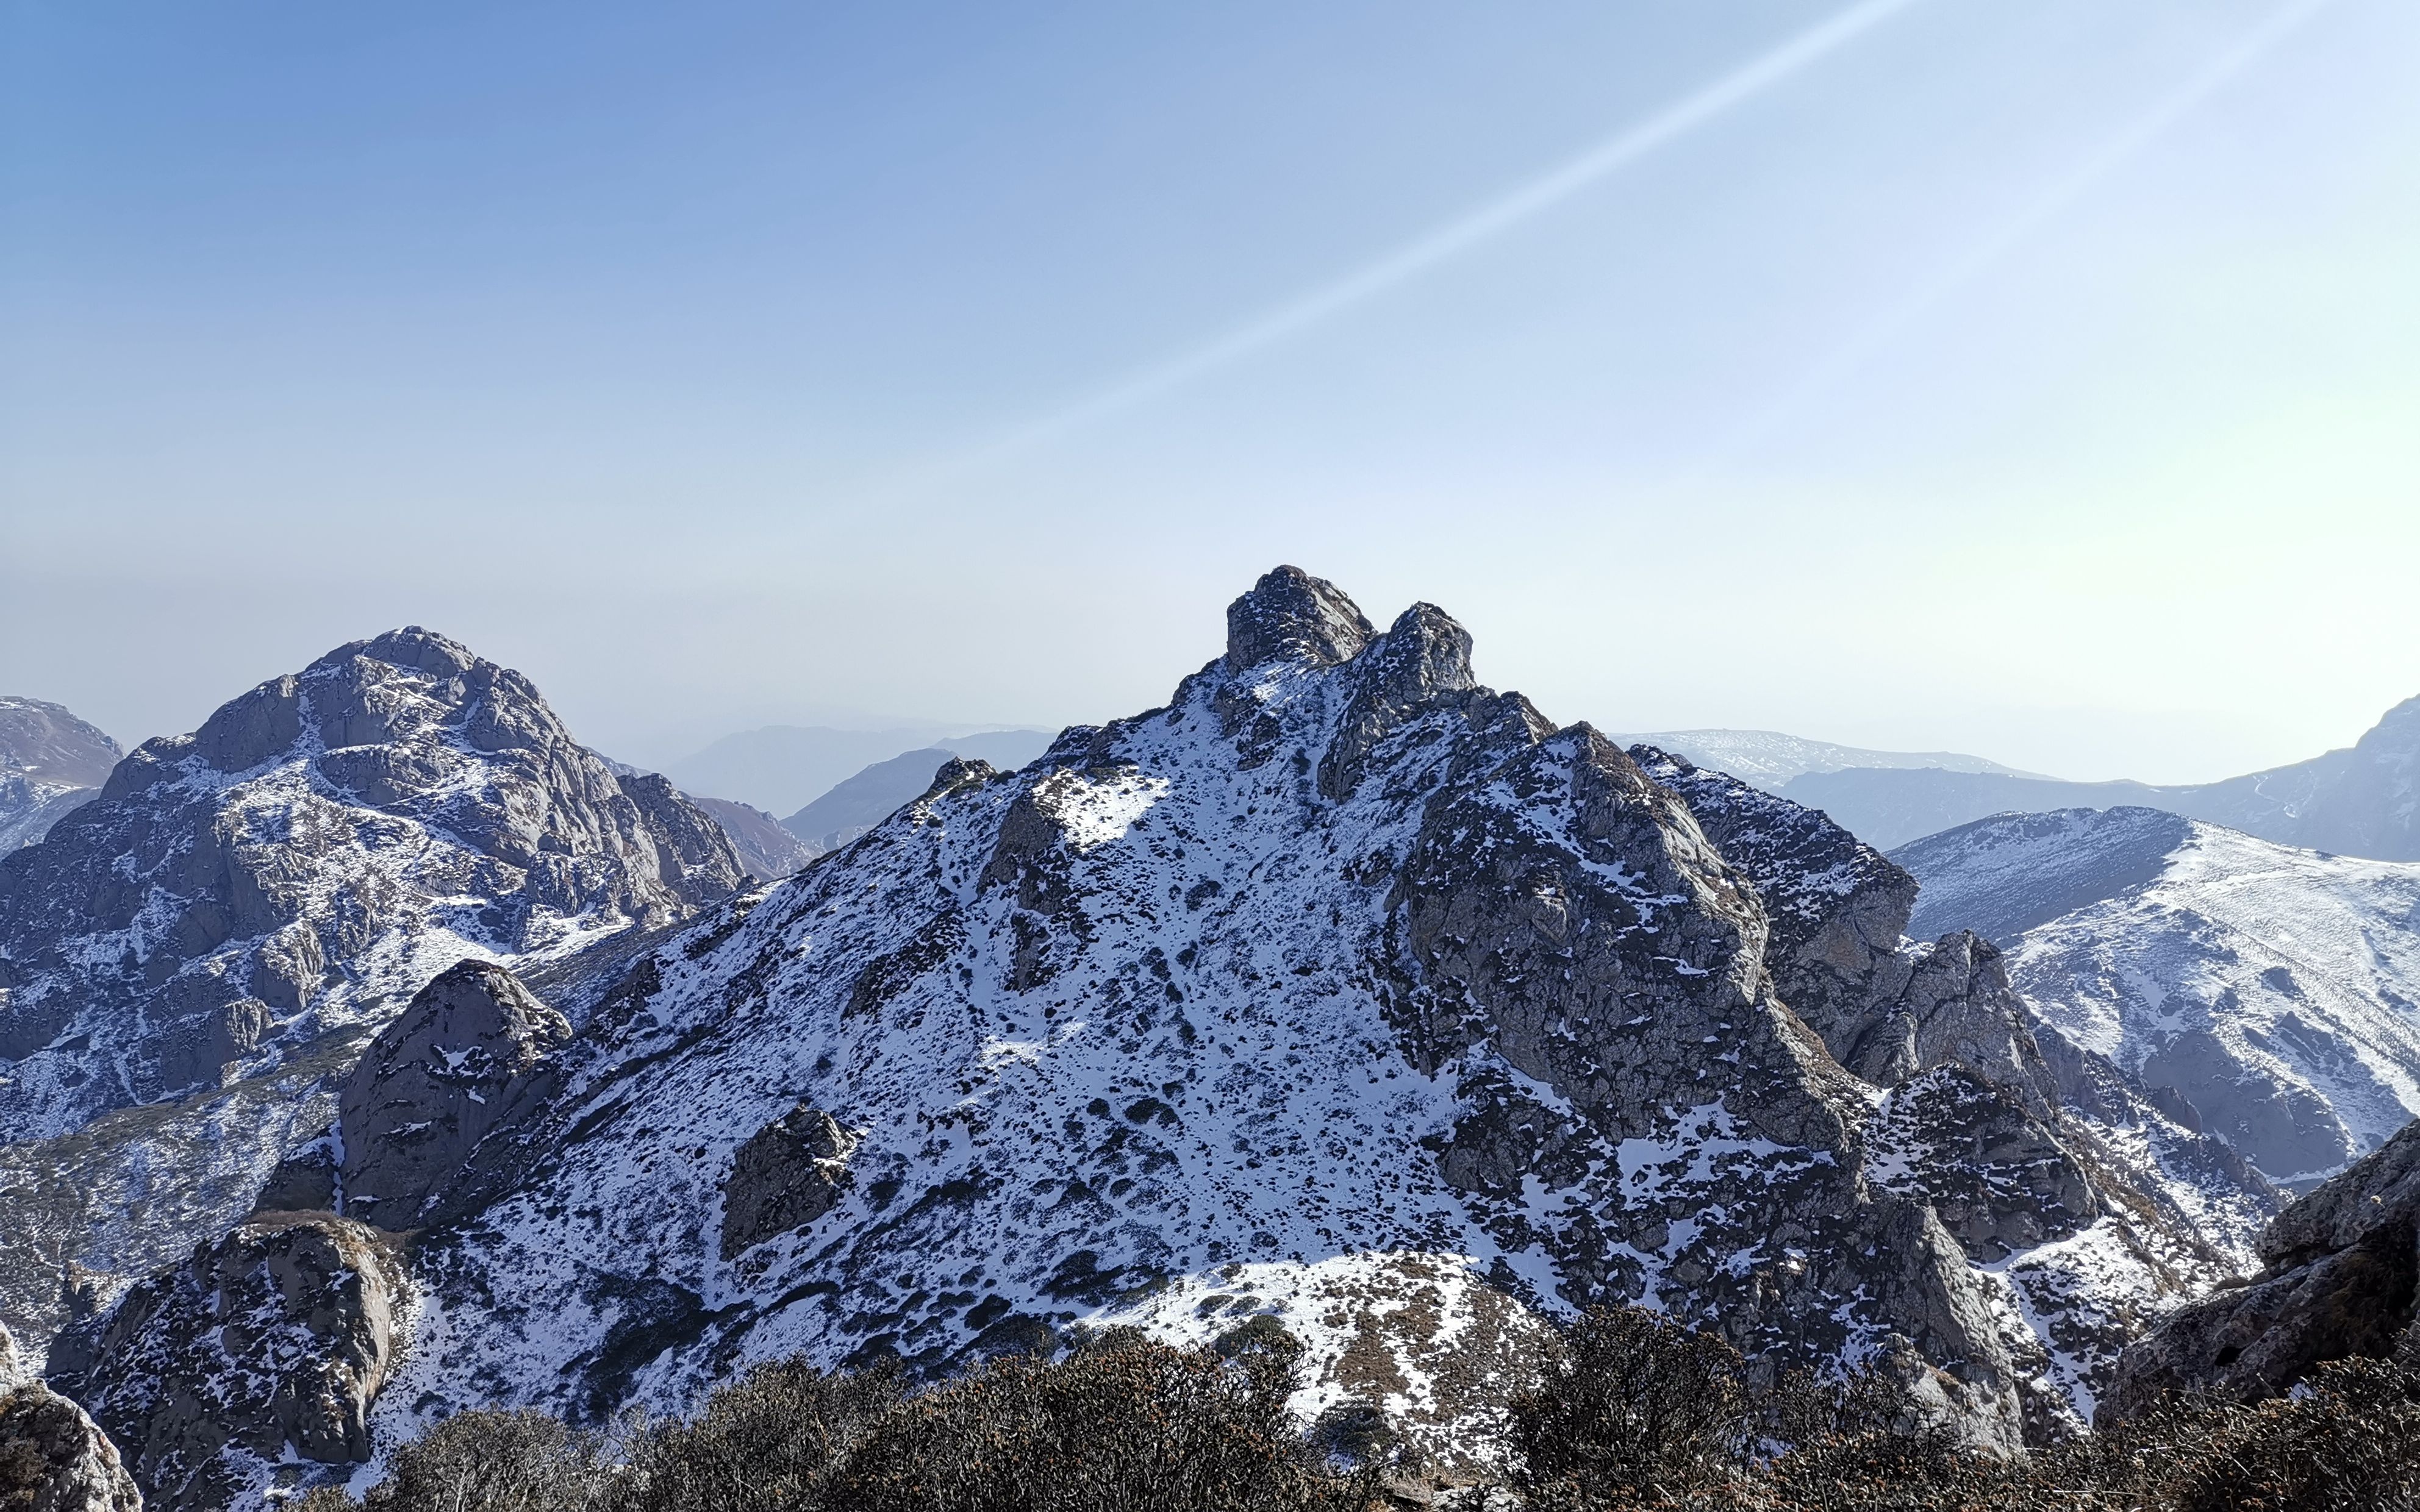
1342, 991
2363, 801
1769, 759
50, 762
188, 959
2278, 989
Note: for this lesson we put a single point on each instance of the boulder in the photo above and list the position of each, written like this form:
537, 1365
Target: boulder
788, 1175
465, 1057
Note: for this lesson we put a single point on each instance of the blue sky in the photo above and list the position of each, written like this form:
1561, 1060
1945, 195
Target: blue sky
2038, 379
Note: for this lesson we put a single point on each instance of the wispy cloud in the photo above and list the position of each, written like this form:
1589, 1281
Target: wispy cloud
1454, 239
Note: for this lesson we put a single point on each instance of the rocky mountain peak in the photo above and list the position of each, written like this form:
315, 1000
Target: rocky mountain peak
219, 934
2398, 729
1340, 982
1293, 616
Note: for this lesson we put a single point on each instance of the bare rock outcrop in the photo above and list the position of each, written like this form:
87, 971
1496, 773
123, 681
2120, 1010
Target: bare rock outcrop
788, 1173
270, 1343
2339, 1276
56, 1458
462, 1061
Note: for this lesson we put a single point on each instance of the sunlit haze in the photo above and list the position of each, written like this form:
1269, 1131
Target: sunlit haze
2036, 381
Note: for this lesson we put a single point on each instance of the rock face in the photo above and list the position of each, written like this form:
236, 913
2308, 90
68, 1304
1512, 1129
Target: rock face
2274, 988
2099, 1205
2339, 1274
54, 1458
268, 1344
1342, 990
51, 762
789, 1173
464, 1058
190, 963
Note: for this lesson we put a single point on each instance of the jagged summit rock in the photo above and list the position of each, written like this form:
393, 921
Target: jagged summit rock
1291, 615
1344, 991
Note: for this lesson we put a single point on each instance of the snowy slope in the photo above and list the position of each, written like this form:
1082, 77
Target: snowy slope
51, 762
2277, 989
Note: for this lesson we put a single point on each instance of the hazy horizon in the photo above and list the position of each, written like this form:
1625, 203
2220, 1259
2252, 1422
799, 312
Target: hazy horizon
1907, 375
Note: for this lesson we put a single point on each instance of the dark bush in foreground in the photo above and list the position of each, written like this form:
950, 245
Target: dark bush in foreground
1122, 1425
1634, 1407
1634, 1413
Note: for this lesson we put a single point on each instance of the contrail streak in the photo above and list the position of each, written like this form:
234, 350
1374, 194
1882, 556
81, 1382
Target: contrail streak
2071, 187
1458, 237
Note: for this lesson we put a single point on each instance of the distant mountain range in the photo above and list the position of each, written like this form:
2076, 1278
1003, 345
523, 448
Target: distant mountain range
864, 800
1769, 759
2360, 801
2277, 989
782, 768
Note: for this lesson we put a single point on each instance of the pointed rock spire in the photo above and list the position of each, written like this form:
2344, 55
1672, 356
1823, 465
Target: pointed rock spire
1290, 614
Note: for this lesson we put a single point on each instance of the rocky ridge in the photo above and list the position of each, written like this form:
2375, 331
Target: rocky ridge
264, 1349
2100, 1202
2338, 1277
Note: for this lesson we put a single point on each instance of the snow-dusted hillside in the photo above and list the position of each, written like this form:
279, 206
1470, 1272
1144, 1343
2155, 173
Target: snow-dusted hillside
50, 763
1342, 991
2278, 989
185, 960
